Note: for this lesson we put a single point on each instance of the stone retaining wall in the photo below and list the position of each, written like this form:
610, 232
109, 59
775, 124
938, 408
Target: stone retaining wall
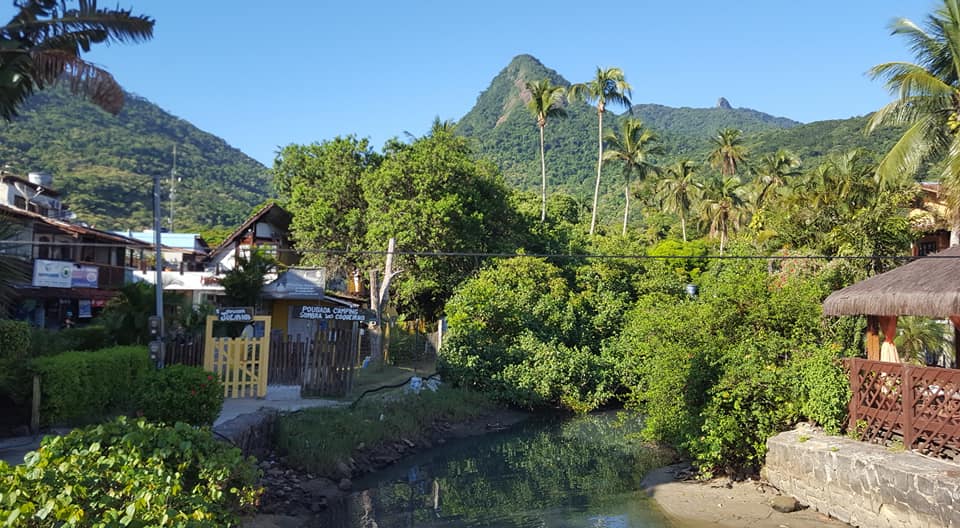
864, 484
252, 433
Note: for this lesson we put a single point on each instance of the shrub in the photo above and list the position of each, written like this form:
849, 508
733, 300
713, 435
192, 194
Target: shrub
822, 386
129, 473
180, 393
50, 342
83, 386
14, 339
14, 348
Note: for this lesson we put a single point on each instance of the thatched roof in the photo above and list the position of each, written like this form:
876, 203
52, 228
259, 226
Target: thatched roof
928, 286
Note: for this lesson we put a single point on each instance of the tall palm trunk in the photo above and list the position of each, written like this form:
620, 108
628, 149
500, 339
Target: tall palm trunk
543, 178
596, 187
626, 207
723, 232
683, 227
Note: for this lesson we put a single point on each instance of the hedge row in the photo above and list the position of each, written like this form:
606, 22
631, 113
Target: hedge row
49, 342
81, 386
14, 339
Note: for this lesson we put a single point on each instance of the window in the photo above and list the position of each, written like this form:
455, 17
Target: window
19, 202
925, 248
43, 249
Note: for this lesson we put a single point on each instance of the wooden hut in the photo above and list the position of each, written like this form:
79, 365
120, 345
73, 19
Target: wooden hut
928, 287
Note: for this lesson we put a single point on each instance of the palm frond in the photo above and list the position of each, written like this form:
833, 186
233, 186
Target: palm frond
908, 153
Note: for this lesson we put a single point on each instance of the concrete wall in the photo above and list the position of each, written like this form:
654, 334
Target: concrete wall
864, 484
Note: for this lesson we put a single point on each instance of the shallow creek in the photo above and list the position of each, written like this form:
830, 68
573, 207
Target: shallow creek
582, 472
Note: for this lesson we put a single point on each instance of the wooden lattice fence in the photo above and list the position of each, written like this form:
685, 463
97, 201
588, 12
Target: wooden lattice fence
919, 406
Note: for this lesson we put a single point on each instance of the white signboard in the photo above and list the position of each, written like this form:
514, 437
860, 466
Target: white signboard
243, 314
52, 273
336, 313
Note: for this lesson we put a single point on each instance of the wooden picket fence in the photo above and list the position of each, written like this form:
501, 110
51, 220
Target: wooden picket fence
185, 350
322, 367
329, 361
918, 406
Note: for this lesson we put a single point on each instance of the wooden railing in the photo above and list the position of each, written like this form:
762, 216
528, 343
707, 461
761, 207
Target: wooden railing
919, 406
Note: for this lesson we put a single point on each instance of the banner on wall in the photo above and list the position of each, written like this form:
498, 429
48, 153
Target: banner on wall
62, 274
84, 309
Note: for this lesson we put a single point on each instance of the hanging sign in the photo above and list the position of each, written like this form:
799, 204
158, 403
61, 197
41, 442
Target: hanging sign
335, 313
241, 314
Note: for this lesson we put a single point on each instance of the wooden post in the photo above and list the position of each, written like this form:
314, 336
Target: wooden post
906, 409
955, 319
873, 338
35, 407
853, 407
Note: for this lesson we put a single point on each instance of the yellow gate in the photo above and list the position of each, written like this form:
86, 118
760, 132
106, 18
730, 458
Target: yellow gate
242, 362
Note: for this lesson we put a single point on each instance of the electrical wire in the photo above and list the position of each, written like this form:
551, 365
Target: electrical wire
558, 256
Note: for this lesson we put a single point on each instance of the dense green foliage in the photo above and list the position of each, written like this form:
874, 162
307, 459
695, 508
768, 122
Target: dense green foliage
104, 165
321, 182
180, 393
317, 439
80, 386
45, 342
129, 473
14, 339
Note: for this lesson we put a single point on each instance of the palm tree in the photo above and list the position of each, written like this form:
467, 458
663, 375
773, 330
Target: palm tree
773, 172
721, 206
678, 190
928, 103
919, 338
609, 86
633, 147
42, 43
728, 151
546, 100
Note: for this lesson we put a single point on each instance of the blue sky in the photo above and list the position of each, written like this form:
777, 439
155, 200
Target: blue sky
262, 76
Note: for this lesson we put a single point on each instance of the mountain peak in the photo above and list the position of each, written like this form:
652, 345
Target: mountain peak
723, 103
507, 93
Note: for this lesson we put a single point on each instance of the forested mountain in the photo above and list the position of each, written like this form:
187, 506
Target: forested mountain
504, 131
814, 140
104, 165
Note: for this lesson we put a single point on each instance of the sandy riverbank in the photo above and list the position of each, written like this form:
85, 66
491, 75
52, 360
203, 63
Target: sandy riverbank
724, 503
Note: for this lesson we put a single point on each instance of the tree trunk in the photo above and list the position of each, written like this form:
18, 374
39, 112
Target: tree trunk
626, 207
683, 227
378, 300
596, 187
543, 180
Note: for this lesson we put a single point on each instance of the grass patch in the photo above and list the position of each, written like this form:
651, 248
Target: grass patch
316, 439
373, 377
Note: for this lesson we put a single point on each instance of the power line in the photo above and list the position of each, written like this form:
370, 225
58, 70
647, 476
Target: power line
483, 254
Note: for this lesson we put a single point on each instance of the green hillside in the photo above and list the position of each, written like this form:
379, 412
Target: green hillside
504, 131
104, 165
814, 140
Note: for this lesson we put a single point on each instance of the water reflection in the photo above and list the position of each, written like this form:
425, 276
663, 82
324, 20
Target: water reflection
584, 472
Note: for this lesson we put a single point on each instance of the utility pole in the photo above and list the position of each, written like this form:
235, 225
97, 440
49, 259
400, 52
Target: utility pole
173, 185
158, 342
